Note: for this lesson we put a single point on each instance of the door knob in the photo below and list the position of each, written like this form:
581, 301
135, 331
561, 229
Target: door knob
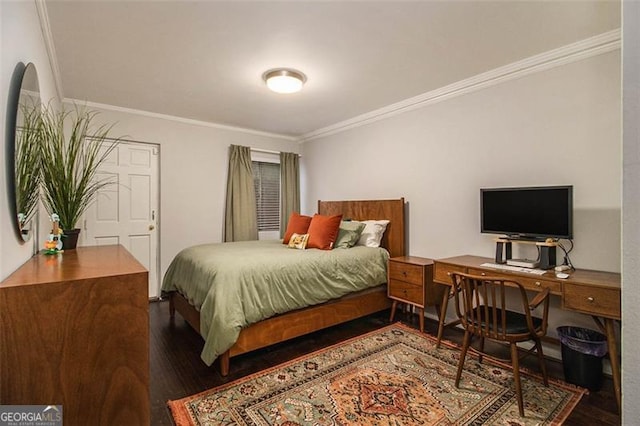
151, 227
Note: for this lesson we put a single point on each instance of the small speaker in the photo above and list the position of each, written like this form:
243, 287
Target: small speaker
547, 257
500, 245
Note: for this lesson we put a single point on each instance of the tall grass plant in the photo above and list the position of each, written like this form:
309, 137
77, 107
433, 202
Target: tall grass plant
73, 148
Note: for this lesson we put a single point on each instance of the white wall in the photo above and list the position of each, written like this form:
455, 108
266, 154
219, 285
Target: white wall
631, 213
193, 173
22, 41
559, 126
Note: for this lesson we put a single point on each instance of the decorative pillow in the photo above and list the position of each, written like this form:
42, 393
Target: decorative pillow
298, 224
299, 241
323, 231
372, 233
348, 234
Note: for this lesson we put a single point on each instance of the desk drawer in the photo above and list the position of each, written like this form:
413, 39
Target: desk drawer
442, 271
406, 272
530, 283
407, 292
591, 300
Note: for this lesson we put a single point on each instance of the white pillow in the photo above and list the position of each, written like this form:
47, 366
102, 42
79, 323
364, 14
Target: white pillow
372, 233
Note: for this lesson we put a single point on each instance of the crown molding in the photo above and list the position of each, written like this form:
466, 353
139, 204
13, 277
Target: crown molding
180, 119
45, 27
590, 47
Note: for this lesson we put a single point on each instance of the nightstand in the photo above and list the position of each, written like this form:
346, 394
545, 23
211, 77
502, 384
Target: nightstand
410, 280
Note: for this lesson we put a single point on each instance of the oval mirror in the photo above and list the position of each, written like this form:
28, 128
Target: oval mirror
23, 151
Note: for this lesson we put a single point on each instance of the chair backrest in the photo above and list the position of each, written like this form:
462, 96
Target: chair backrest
481, 306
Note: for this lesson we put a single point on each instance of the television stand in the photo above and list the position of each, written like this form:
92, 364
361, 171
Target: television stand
547, 251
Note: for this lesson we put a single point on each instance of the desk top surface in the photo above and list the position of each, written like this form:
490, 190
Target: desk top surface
579, 276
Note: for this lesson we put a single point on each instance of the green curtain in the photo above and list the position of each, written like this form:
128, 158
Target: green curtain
289, 187
241, 219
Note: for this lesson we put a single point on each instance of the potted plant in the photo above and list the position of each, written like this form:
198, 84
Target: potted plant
73, 149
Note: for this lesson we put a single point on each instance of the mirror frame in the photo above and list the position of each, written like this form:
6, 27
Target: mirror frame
13, 112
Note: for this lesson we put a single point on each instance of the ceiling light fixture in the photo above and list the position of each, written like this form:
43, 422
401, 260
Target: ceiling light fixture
284, 80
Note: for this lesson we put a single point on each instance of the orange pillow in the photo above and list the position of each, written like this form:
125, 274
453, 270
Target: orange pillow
298, 224
323, 231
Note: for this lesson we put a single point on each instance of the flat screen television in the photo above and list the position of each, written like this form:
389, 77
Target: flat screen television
527, 213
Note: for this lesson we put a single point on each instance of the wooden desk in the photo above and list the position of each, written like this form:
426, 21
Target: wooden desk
594, 293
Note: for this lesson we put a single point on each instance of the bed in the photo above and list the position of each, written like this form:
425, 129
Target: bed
298, 322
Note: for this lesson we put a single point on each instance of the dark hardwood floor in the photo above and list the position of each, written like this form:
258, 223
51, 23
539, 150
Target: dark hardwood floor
177, 370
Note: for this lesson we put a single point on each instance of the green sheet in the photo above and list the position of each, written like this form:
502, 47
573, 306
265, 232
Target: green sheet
236, 284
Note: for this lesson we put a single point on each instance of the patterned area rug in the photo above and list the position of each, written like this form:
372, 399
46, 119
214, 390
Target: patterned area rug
392, 376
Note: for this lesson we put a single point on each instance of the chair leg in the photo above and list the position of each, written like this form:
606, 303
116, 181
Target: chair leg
516, 377
443, 316
481, 349
543, 366
465, 347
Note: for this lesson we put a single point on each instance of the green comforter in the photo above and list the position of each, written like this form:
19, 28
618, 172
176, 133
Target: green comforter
236, 284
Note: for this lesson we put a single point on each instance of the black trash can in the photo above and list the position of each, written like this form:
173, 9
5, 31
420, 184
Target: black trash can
582, 353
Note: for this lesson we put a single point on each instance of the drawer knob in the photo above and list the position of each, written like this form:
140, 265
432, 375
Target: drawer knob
404, 273
448, 274
483, 274
590, 299
538, 283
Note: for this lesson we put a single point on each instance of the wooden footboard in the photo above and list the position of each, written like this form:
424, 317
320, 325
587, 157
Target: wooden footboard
292, 324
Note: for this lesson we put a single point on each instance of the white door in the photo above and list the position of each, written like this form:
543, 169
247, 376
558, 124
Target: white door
126, 212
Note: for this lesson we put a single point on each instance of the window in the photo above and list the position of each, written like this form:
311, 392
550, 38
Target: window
266, 180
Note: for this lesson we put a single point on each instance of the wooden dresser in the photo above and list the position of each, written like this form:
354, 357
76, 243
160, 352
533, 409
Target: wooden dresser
74, 331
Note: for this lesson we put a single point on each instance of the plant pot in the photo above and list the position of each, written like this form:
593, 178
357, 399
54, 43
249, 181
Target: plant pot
70, 238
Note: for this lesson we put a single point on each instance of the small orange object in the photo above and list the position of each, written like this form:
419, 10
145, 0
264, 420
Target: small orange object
50, 244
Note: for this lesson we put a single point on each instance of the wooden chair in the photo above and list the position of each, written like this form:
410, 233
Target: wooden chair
481, 308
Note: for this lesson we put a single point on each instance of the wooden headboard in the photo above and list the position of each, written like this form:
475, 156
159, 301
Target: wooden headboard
392, 210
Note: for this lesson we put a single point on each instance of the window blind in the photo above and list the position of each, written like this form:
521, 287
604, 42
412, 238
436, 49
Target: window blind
266, 180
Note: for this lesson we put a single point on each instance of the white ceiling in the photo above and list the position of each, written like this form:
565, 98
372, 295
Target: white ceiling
204, 60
